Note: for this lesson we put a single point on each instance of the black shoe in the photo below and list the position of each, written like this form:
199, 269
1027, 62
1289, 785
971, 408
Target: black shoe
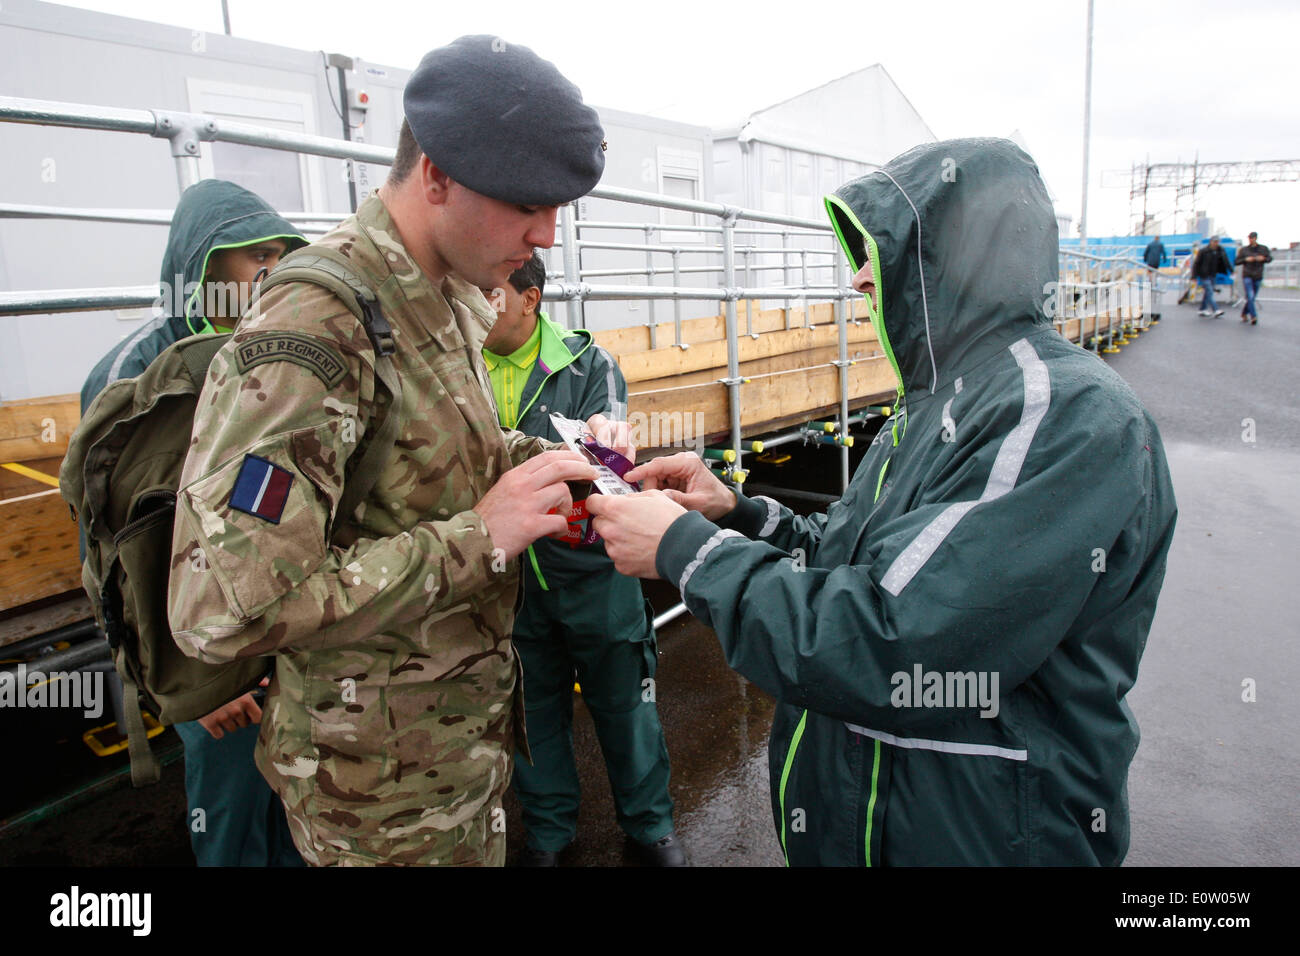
531, 856
665, 851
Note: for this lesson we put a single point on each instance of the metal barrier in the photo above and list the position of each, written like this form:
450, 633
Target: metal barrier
186, 131
1085, 279
1113, 287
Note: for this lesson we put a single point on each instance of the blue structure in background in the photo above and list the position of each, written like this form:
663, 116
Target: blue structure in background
1177, 248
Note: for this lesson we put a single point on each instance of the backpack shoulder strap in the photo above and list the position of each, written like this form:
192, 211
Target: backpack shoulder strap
323, 266
197, 353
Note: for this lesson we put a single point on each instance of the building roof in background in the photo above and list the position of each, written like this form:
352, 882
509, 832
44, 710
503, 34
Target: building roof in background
862, 116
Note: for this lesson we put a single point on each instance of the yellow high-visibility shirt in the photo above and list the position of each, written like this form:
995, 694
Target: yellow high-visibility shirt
509, 374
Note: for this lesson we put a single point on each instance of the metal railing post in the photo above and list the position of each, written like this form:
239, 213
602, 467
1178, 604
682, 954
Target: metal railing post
733, 343
803, 271
569, 227
1111, 347
785, 270
649, 281
184, 131
749, 302
677, 303
187, 171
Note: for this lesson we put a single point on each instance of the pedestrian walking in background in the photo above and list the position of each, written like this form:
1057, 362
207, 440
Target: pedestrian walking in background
1251, 258
1210, 261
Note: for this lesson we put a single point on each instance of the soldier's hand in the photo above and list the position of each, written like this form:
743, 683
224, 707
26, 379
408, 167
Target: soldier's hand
515, 509
614, 435
232, 716
687, 480
632, 527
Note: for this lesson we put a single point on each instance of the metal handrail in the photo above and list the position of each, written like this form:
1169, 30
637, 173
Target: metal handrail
685, 270
145, 296
78, 300
186, 131
150, 217
187, 128
664, 227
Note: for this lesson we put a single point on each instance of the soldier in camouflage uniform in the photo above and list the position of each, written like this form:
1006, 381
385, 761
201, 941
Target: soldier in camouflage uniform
396, 699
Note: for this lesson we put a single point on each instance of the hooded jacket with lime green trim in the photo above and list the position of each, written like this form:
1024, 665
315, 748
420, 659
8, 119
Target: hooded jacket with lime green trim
212, 214
575, 378
1010, 523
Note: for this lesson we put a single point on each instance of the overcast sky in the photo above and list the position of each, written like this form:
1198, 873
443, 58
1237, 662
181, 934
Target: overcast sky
1171, 80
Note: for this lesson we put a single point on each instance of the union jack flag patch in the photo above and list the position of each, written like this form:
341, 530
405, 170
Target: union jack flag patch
261, 489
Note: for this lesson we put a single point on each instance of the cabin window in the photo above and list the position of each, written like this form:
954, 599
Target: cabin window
680, 177
288, 181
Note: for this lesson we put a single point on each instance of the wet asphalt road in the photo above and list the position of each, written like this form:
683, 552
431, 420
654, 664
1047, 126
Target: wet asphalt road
1215, 779
716, 725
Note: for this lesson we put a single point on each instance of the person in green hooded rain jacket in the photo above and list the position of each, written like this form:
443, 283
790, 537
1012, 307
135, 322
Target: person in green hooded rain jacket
223, 241
952, 642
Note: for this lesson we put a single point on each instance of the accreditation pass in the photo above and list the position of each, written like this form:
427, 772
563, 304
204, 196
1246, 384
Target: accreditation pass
577, 436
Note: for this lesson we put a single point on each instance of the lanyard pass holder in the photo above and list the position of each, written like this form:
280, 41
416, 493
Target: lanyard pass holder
610, 465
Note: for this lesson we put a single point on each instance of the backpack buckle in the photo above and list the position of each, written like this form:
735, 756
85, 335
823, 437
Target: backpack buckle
377, 327
114, 628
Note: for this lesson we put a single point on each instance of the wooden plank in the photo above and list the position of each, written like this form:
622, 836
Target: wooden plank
30, 623
636, 338
37, 427
13, 485
38, 549
659, 363
767, 399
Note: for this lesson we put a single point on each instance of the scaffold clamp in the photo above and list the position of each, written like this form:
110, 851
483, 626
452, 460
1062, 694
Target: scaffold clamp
184, 130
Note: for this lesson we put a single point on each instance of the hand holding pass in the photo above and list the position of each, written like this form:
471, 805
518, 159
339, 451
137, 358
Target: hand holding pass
687, 480
632, 526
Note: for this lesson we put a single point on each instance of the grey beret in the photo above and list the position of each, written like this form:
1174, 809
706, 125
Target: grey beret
497, 118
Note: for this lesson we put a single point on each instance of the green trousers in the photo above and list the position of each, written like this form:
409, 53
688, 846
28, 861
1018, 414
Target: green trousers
599, 632
242, 821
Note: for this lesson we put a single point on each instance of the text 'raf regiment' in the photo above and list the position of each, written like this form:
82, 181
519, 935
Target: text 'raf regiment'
304, 350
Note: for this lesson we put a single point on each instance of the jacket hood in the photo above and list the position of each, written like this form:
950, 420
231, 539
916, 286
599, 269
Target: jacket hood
963, 239
555, 352
213, 214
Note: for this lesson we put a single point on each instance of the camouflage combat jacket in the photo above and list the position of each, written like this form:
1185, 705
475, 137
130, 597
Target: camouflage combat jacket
391, 719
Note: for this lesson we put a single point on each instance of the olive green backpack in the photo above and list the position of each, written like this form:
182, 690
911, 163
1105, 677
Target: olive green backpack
120, 476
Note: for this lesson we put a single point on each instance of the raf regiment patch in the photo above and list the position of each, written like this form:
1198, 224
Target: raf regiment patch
305, 350
261, 489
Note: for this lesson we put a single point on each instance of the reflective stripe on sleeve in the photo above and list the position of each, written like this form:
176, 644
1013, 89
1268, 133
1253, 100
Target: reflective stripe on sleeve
942, 746
700, 555
1002, 476
773, 516
610, 384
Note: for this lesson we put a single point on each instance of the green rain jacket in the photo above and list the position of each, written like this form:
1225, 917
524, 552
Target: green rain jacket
575, 378
212, 214
1010, 523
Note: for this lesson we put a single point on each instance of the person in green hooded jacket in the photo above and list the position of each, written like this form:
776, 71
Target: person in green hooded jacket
223, 241
952, 642
578, 614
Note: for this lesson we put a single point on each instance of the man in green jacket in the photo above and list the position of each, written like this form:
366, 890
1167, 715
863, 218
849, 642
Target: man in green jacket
951, 643
223, 239
578, 612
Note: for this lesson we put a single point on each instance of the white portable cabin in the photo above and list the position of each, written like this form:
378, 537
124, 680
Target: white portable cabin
781, 160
